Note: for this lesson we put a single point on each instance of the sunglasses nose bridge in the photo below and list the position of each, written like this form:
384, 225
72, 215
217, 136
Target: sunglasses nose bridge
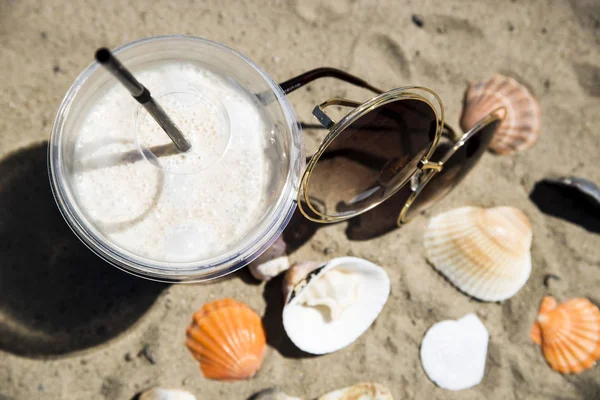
434, 165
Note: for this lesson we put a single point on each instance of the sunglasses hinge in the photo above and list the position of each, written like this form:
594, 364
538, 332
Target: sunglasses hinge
322, 117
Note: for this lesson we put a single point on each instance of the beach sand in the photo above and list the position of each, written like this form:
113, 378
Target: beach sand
73, 327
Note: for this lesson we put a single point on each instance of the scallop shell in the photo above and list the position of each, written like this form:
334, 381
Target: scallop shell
484, 252
569, 334
165, 394
273, 394
522, 123
325, 311
228, 339
272, 262
361, 391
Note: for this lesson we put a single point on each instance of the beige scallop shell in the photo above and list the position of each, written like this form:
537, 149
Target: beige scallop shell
522, 123
483, 252
165, 394
360, 391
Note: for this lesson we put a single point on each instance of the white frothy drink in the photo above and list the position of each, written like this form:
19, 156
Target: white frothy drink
170, 206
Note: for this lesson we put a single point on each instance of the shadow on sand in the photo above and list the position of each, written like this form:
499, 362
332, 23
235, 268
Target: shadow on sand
56, 296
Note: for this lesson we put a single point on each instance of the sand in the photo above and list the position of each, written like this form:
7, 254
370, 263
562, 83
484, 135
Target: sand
72, 327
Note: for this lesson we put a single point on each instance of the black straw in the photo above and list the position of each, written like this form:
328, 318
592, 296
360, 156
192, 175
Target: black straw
142, 95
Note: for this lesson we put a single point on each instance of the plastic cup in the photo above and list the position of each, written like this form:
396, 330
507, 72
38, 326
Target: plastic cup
284, 151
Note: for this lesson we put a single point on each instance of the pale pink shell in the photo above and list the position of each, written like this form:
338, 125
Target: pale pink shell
522, 123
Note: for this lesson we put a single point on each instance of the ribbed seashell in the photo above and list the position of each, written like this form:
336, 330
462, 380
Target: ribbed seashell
569, 334
165, 394
522, 123
353, 292
361, 391
228, 339
273, 394
483, 252
272, 262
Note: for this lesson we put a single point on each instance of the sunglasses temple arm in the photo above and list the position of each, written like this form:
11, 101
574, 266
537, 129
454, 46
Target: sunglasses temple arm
301, 80
449, 132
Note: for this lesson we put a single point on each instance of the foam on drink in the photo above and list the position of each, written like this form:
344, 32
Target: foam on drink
171, 206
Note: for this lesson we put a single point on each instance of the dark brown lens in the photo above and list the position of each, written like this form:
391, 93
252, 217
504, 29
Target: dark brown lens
455, 168
379, 220
372, 157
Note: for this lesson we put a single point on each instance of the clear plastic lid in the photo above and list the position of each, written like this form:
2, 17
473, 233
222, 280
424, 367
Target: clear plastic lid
147, 208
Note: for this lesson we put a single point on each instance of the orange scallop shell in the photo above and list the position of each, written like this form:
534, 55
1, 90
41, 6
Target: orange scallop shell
521, 125
228, 339
569, 334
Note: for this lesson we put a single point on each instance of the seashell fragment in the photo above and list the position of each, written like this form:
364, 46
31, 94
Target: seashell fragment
522, 123
325, 311
228, 339
273, 394
483, 252
272, 262
336, 290
569, 334
297, 273
453, 353
361, 391
165, 394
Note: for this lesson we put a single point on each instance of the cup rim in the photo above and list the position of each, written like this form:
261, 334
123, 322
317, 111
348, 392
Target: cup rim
163, 271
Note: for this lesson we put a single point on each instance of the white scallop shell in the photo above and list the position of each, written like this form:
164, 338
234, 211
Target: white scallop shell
453, 353
310, 327
361, 391
484, 252
272, 262
166, 394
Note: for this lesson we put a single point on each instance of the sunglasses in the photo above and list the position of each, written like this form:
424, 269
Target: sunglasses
393, 148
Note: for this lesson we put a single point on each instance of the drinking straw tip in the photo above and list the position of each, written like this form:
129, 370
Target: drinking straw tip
102, 55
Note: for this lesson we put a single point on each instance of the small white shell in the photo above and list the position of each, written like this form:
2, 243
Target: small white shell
484, 252
272, 262
273, 394
361, 391
269, 269
166, 394
453, 353
310, 328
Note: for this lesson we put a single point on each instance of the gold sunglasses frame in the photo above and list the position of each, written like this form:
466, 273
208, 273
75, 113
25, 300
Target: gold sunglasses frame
426, 165
360, 109
496, 115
